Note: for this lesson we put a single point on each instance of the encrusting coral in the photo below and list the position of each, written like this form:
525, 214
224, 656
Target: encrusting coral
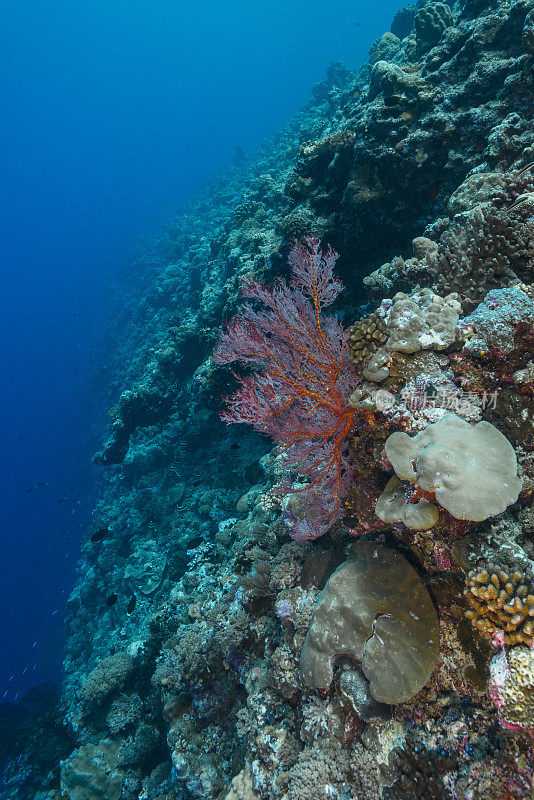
395, 504
512, 688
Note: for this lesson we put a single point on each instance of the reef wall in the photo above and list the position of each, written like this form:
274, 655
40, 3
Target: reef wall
193, 604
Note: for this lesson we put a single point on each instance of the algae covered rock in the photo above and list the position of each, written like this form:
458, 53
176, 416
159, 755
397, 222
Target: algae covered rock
90, 773
375, 610
494, 324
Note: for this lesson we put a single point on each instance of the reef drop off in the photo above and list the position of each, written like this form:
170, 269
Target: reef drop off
339, 603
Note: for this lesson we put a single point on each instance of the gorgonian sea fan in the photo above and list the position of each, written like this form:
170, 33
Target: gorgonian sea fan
302, 378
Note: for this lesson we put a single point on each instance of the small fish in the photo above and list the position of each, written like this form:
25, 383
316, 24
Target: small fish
521, 199
357, 24
33, 645
131, 604
31, 489
100, 534
525, 169
61, 499
235, 446
112, 599
394, 99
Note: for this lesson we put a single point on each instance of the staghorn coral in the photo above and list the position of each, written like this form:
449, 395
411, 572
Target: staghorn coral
373, 609
501, 601
471, 470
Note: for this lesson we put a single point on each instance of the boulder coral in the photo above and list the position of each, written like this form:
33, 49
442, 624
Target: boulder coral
403, 325
375, 610
430, 22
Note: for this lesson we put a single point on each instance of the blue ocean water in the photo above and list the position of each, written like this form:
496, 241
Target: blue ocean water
113, 113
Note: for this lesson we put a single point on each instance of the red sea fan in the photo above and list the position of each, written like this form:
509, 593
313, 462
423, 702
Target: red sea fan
302, 379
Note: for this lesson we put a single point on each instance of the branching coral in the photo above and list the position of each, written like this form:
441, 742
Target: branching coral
303, 375
500, 601
422, 771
